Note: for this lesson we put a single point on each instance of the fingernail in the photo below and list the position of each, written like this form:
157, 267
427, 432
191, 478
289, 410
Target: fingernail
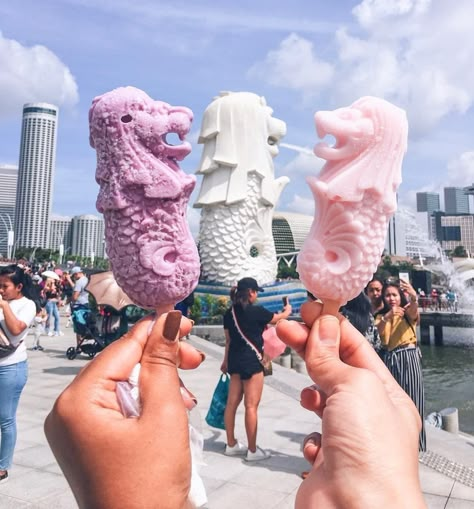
328, 330
192, 322
203, 355
171, 327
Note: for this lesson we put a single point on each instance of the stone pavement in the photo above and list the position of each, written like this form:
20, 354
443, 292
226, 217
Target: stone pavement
36, 480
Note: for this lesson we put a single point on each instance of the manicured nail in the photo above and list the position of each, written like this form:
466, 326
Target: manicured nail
192, 322
203, 355
328, 330
171, 327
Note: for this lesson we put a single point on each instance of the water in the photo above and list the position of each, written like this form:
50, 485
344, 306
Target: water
449, 375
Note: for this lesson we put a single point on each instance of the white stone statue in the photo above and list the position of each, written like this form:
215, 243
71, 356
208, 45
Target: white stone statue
239, 191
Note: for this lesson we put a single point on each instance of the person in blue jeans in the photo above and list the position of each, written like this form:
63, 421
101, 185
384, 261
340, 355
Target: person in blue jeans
17, 311
52, 294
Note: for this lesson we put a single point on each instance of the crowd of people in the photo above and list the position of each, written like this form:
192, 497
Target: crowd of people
344, 356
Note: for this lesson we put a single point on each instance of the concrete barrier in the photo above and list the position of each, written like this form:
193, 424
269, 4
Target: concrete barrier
450, 420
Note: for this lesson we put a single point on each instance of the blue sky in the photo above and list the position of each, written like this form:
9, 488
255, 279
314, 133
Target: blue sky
302, 56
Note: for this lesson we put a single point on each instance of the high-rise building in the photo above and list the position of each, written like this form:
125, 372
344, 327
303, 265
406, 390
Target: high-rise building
427, 202
88, 236
8, 181
36, 174
60, 233
456, 200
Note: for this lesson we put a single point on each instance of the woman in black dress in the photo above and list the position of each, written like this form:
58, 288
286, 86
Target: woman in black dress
242, 363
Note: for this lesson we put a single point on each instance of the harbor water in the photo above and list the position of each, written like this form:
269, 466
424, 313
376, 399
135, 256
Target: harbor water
449, 375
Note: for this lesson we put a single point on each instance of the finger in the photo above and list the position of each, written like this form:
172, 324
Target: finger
190, 400
356, 351
322, 354
312, 446
313, 399
294, 334
310, 312
189, 357
118, 359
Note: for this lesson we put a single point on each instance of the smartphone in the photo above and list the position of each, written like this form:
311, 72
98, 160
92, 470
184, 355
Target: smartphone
285, 301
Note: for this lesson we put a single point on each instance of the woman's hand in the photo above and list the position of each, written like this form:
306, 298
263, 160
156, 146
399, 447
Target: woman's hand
367, 455
224, 366
112, 461
408, 289
395, 311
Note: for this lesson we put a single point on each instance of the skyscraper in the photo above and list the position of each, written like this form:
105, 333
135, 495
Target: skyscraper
88, 236
427, 202
456, 201
60, 233
8, 181
36, 174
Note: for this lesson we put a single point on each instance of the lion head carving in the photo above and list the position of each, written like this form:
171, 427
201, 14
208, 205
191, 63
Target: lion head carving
128, 130
369, 136
239, 136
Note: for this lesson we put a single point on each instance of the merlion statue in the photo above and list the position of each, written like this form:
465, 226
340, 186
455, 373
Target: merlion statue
239, 191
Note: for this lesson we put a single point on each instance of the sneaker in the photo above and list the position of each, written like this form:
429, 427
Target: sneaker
50, 334
258, 455
4, 477
39, 347
35, 348
237, 450
59, 333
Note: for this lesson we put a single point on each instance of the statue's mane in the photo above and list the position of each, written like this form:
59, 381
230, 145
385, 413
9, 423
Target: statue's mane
235, 131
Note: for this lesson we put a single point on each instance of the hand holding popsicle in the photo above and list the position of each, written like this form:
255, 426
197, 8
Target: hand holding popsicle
355, 196
153, 449
360, 405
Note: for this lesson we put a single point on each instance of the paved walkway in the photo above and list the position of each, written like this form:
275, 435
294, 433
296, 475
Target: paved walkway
37, 482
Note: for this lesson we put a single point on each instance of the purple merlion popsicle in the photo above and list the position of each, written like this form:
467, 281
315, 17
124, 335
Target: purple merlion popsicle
143, 196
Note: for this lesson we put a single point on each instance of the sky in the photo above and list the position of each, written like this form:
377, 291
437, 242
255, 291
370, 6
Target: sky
302, 56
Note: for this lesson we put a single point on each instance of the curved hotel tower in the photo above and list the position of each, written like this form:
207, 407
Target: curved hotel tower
36, 174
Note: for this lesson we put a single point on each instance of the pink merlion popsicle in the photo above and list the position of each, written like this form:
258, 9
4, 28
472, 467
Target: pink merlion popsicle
355, 196
144, 194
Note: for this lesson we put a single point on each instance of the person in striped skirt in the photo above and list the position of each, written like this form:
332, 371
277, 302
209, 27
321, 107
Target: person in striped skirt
396, 323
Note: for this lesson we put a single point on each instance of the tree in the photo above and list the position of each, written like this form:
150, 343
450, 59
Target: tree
287, 272
459, 252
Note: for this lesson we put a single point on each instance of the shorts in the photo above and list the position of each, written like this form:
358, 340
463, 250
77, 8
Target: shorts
245, 368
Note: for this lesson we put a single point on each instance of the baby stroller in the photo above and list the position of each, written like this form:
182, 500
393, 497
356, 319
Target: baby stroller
96, 330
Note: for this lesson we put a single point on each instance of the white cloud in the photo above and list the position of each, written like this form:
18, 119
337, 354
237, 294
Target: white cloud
415, 53
371, 12
294, 65
461, 170
33, 74
301, 205
459, 173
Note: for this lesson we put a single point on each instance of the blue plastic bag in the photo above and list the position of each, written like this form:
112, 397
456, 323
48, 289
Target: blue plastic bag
215, 415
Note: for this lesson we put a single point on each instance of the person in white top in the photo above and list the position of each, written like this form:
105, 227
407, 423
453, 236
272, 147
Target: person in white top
17, 311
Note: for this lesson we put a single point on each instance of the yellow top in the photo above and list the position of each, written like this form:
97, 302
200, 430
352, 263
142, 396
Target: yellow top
400, 331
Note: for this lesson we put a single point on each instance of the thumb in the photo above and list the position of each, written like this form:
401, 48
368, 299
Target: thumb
159, 382
322, 354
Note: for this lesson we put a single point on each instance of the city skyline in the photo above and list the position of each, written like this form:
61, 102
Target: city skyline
302, 58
